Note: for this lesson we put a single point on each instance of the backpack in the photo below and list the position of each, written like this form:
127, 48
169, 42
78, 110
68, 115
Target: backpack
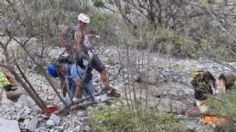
67, 38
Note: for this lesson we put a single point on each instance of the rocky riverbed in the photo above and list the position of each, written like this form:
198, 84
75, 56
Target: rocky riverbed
168, 83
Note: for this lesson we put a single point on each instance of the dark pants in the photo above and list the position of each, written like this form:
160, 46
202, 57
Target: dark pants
8, 87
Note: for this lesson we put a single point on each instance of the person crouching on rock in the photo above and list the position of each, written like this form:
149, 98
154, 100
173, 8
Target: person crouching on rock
72, 74
226, 82
8, 83
204, 84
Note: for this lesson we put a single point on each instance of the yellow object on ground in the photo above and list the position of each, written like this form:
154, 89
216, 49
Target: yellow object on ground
213, 119
3, 80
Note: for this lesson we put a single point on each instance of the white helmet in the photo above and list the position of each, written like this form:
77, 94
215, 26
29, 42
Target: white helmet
84, 18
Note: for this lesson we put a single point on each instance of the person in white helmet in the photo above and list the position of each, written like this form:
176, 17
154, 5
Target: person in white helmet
80, 51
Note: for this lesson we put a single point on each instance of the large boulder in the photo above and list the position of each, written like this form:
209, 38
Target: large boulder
9, 126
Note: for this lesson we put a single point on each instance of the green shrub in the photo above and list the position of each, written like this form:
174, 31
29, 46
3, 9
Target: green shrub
121, 118
225, 106
164, 40
98, 3
102, 24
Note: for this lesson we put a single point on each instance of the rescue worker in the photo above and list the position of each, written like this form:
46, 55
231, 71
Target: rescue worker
86, 58
226, 82
73, 81
204, 84
8, 84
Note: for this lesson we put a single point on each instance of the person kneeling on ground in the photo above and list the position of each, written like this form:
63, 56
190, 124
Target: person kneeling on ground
204, 84
226, 82
79, 85
8, 84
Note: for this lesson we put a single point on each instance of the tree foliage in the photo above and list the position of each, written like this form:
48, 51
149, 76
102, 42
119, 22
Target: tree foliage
210, 24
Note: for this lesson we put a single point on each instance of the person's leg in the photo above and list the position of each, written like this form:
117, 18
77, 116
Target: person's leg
88, 89
72, 88
202, 106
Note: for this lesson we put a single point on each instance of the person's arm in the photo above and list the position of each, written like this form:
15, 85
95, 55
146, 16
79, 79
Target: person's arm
194, 84
212, 80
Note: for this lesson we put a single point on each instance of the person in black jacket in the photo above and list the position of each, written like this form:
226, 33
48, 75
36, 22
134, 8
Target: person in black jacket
204, 84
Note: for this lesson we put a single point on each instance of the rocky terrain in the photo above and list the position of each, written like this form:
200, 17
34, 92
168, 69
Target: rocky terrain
169, 84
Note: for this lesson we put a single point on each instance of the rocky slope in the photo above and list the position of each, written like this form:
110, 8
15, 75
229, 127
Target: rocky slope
168, 91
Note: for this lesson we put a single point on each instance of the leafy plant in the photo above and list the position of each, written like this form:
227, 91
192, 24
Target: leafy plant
121, 118
225, 106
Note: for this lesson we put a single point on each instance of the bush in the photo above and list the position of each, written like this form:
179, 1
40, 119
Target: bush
103, 24
225, 106
164, 40
123, 119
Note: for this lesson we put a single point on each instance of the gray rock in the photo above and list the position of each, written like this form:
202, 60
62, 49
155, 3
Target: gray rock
53, 130
101, 98
22, 113
205, 128
33, 123
78, 128
25, 123
56, 119
190, 123
169, 105
59, 128
76, 120
80, 113
25, 100
41, 129
51, 97
87, 128
50, 123
9, 126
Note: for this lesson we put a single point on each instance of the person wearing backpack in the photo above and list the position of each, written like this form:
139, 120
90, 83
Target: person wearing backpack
204, 84
73, 42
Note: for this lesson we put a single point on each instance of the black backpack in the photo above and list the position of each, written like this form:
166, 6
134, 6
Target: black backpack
68, 38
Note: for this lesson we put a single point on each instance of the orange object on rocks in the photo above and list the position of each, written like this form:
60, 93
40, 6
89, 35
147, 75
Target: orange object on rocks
213, 119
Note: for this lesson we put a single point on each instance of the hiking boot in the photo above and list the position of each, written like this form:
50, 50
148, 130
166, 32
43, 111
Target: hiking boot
113, 93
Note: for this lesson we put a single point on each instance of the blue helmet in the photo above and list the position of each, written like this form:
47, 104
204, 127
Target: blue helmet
52, 70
